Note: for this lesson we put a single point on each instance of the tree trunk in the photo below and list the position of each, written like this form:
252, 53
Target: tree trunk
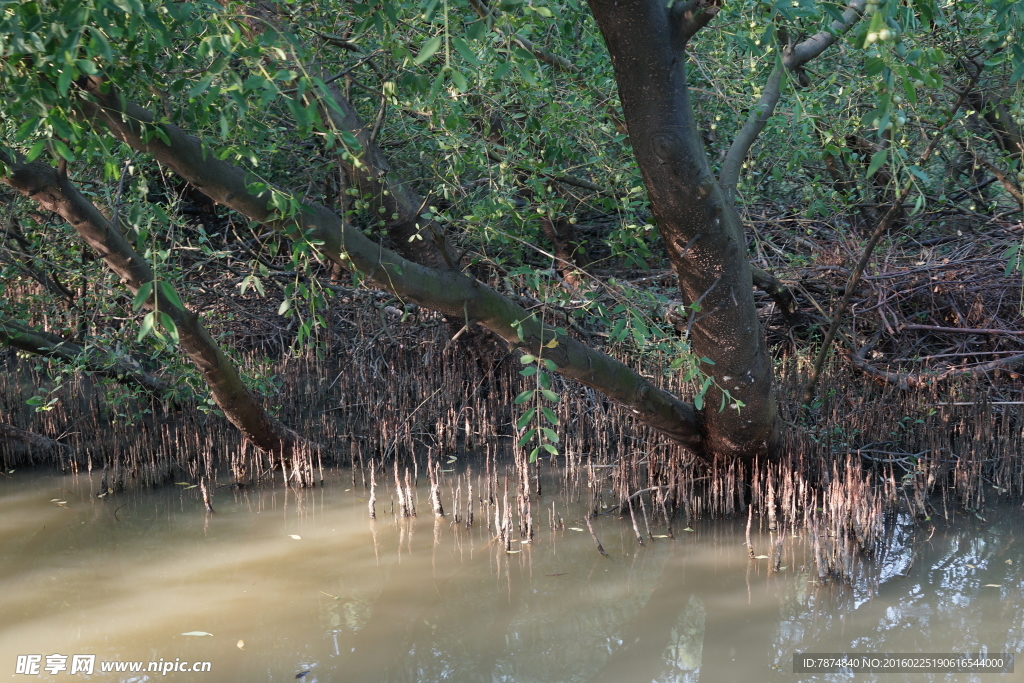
701, 230
53, 191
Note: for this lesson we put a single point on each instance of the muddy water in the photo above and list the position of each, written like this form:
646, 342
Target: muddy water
289, 582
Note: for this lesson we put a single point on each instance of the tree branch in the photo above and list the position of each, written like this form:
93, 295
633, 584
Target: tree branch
793, 59
448, 292
756, 121
53, 191
797, 56
416, 238
558, 62
779, 292
97, 360
690, 17
31, 439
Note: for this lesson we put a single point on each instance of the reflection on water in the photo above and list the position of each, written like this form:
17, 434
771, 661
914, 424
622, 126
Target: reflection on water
290, 582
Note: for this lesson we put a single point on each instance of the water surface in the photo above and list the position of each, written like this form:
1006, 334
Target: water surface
289, 581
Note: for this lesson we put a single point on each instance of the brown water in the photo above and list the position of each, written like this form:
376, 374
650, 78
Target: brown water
423, 600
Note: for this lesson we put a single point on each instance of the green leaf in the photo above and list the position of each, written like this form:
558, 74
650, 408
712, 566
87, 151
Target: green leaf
527, 358
427, 50
525, 419
460, 81
549, 395
618, 332
167, 289
87, 66
62, 150
549, 415
147, 325
877, 159
142, 295
285, 306
502, 69
525, 396
525, 439
462, 47
550, 434
169, 325
200, 87
64, 80
528, 372
36, 150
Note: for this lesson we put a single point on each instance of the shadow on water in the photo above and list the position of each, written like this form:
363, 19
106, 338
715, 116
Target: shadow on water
292, 581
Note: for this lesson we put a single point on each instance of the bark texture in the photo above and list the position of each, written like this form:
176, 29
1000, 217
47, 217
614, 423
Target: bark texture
698, 224
54, 192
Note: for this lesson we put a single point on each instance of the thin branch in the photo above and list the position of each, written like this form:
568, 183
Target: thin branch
755, 123
793, 59
960, 330
690, 17
558, 62
797, 56
780, 294
869, 248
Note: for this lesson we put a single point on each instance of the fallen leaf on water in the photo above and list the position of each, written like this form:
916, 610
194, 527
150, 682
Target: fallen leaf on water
970, 566
687, 529
241, 644
336, 597
191, 486
575, 528
993, 585
182, 483
1009, 562
296, 537
661, 535
760, 557
197, 633
510, 552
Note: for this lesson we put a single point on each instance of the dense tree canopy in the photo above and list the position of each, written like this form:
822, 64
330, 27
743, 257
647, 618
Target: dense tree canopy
499, 163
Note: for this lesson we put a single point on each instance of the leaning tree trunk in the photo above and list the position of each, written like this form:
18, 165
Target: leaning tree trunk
53, 190
701, 230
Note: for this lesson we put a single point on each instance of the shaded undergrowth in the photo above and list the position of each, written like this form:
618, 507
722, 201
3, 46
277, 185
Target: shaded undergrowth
397, 402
